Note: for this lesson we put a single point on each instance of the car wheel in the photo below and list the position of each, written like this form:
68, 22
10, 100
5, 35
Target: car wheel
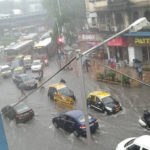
55, 124
76, 133
108, 113
89, 105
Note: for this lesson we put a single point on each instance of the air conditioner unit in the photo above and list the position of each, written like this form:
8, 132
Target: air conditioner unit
114, 28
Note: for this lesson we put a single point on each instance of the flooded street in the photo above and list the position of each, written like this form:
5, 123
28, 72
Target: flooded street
40, 133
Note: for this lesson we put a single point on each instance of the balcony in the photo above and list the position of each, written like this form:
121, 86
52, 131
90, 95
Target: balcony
118, 4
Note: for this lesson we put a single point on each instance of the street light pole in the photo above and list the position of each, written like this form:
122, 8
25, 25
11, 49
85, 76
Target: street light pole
83, 91
59, 9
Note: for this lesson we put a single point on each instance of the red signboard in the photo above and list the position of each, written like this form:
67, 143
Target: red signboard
117, 42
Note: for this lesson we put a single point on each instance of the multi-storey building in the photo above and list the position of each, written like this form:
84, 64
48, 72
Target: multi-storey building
110, 16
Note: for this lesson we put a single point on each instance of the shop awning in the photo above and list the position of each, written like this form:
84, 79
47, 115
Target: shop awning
117, 42
138, 34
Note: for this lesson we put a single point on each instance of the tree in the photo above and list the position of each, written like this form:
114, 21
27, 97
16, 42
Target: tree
72, 17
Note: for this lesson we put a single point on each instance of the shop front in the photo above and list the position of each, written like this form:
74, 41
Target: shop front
118, 49
139, 47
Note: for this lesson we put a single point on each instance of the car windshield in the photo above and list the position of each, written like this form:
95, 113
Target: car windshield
81, 119
107, 100
18, 72
5, 69
28, 61
15, 64
36, 63
26, 78
21, 108
64, 91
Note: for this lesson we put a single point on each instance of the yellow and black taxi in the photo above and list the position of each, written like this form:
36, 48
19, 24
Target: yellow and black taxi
61, 93
17, 71
103, 102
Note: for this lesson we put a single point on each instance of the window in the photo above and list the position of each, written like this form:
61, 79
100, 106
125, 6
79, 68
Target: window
129, 143
92, 98
93, 21
134, 147
97, 100
52, 90
144, 149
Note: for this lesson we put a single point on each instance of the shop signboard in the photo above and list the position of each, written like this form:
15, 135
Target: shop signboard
87, 37
139, 41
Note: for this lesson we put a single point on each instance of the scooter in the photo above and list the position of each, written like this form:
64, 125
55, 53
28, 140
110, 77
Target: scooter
144, 124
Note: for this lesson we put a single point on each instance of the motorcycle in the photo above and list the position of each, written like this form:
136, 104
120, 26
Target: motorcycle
144, 124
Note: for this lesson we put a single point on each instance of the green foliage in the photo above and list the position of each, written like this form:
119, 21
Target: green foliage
71, 19
99, 75
111, 75
125, 79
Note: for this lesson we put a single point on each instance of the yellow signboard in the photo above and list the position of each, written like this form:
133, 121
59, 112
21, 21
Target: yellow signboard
142, 41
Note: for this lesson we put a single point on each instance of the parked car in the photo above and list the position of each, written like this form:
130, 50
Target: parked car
6, 71
20, 112
103, 102
37, 65
17, 71
74, 122
60, 92
26, 82
135, 143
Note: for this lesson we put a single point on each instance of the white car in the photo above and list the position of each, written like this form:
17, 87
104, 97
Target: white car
36, 65
135, 143
6, 71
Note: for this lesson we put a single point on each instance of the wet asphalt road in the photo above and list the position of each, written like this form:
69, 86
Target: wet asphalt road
40, 134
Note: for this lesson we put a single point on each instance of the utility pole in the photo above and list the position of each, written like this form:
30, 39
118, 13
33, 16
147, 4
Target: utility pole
59, 9
83, 93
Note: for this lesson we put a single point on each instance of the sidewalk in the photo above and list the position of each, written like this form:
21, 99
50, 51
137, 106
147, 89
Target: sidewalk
98, 66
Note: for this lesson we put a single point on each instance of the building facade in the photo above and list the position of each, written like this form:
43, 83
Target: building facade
108, 17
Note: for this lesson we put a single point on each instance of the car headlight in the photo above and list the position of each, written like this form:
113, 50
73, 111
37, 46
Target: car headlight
108, 108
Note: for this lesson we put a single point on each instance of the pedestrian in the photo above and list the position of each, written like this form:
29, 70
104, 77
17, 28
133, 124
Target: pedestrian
140, 72
40, 74
62, 81
87, 65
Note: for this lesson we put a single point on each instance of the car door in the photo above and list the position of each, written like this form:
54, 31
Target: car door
19, 80
92, 100
69, 124
52, 92
10, 113
99, 104
61, 121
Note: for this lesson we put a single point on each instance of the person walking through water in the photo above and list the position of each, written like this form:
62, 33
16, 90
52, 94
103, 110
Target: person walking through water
140, 72
40, 74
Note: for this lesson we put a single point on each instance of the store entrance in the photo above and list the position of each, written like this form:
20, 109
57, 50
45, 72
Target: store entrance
146, 54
